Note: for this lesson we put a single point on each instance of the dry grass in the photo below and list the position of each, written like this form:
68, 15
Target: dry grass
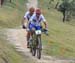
61, 41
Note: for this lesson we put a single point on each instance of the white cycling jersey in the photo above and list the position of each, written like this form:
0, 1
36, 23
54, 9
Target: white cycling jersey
27, 15
35, 21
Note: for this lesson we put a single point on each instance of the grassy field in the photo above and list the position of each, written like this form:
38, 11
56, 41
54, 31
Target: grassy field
61, 39
11, 15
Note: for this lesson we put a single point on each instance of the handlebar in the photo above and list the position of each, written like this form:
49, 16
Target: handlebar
45, 31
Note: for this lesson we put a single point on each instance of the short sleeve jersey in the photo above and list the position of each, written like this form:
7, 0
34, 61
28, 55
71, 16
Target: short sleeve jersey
35, 21
27, 16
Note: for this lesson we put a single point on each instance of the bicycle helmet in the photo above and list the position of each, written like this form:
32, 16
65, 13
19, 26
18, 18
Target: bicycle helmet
38, 11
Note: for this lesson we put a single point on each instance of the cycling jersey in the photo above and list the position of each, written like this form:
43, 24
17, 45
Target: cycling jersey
35, 21
27, 16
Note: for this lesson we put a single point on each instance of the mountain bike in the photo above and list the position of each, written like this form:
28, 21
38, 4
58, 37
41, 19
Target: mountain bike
36, 44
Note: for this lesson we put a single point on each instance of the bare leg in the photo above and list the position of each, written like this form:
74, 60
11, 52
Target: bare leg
28, 36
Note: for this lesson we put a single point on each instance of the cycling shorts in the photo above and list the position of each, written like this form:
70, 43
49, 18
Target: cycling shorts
31, 26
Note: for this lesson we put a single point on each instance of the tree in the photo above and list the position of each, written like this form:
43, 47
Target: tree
10, 1
73, 8
50, 2
1, 2
64, 7
56, 6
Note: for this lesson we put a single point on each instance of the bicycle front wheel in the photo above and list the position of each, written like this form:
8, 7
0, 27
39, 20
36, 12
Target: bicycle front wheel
39, 48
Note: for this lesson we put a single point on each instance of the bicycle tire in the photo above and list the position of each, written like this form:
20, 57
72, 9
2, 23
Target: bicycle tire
33, 45
39, 47
33, 51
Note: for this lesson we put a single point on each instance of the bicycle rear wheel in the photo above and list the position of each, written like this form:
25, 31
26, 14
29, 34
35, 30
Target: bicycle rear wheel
34, 45
33, 51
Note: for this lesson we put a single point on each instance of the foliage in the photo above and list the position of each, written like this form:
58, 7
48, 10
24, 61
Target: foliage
69, 6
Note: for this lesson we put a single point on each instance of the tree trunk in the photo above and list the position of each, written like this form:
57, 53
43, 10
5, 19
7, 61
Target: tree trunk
1, 2
64, 16
57, 5
10, 1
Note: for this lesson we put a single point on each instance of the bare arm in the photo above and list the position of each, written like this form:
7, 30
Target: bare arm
23, 21
46, 25
46, 28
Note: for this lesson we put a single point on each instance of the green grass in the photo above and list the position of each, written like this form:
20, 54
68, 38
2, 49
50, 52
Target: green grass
61, 40
11, 14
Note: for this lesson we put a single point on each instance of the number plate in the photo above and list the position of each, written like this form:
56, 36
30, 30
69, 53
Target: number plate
38, 32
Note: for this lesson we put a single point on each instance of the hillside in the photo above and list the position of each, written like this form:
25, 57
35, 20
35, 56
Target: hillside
11, 15
61, 40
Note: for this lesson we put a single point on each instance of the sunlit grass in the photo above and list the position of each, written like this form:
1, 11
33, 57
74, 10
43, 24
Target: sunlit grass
60, 42
11, 14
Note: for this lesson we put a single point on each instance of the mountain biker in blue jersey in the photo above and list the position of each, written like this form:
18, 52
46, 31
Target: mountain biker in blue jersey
27, 16
36, 20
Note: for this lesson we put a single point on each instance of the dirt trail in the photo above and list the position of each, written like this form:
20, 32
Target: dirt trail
32, 3
18, 38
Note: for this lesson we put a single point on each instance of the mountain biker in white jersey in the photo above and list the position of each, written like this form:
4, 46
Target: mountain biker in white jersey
27, 16
35, 21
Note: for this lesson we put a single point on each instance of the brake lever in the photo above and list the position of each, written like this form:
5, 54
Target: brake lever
45, 32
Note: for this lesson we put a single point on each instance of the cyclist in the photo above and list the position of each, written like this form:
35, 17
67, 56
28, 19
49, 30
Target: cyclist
35, 21
27, 16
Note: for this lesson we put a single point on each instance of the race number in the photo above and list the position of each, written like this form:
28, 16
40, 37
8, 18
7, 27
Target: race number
38, 32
